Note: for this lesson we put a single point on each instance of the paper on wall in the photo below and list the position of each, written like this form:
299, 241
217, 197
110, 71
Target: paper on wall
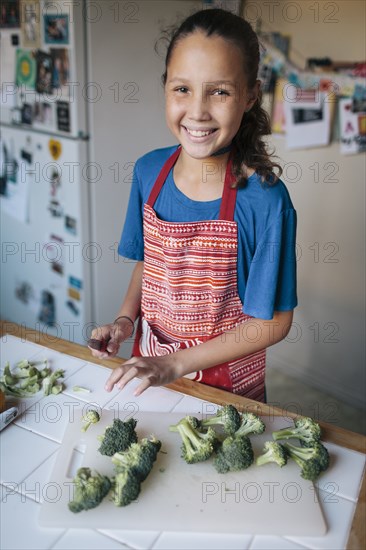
308, 121
352, 128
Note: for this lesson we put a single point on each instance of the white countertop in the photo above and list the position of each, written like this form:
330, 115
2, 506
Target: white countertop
29, 447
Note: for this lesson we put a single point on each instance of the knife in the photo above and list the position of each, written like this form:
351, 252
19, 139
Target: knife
8, 416
99, 345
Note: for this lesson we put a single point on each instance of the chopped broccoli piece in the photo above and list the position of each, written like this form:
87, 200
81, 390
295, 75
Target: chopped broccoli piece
89, 490
126, 487
197, 445
51, 380
57, 388
251, 424
228, 417
26, 380
118, 437
139, 457
305, 429
91, 417
234, 454
80, 389
312, 460
272, 452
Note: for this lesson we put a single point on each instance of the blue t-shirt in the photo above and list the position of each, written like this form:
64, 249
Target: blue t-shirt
266, 232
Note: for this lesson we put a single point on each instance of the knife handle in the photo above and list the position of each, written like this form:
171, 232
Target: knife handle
98, 345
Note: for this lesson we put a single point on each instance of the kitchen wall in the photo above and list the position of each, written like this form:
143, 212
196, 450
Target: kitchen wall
326, 345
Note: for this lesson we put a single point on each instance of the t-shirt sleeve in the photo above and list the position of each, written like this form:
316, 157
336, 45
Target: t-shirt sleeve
131, 245
271, 283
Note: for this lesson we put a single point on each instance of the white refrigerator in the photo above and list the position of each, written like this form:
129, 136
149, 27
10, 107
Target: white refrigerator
67, 156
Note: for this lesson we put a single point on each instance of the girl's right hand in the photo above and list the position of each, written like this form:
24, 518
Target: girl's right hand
105, 341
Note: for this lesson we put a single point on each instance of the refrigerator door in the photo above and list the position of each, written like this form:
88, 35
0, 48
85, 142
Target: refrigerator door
46, 253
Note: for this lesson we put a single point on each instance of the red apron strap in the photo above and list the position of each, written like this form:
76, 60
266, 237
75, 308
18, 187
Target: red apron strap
228, 201
162, 177
228, 197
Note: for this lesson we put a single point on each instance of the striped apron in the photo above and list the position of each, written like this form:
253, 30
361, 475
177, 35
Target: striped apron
189, 290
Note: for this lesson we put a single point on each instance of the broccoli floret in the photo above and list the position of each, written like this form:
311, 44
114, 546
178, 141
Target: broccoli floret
118, 437
251, 424
234, 454
126, 487
139, 458
91, 417
89, 490
228, 417
197, 445
272, 452
312, 460
305, 429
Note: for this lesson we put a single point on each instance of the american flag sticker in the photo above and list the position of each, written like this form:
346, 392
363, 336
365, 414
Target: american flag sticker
307, 96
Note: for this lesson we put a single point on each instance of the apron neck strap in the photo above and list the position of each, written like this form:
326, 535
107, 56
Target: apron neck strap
162, 177
228, 197
228, 201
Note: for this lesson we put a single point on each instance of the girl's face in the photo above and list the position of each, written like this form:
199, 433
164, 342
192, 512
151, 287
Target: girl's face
206, 93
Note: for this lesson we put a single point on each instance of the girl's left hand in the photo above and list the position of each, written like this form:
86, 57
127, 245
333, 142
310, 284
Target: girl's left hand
153, 371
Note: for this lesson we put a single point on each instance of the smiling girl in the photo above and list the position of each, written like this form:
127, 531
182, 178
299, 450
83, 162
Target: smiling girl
210, 225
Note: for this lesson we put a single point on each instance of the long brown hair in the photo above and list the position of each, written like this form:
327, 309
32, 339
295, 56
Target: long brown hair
249, 147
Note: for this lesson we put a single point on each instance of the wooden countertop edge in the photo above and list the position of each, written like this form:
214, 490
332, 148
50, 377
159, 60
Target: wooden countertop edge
331, 433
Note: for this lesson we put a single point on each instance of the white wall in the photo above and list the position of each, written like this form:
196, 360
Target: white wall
328, 337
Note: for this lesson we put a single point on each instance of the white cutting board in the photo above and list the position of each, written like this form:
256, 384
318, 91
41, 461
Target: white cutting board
178, 496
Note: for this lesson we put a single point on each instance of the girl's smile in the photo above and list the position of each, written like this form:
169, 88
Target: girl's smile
206, 93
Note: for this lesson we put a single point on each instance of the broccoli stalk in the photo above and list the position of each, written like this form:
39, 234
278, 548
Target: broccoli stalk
228, 417
118, 437
272, 452
91, 417
234, 454
89, 490
197, 446
312, 460
251, 424
305, 429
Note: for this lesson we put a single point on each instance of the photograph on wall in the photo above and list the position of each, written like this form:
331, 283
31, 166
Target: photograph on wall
47, 313
42, 114
352, 127
63, 116
44, 73
61, 70
55, 207
307, 120
27, 113
8, 167
23, 292
70, 225
75, 288
25, 69
9, 14
56, 29
30, 24
15, 190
